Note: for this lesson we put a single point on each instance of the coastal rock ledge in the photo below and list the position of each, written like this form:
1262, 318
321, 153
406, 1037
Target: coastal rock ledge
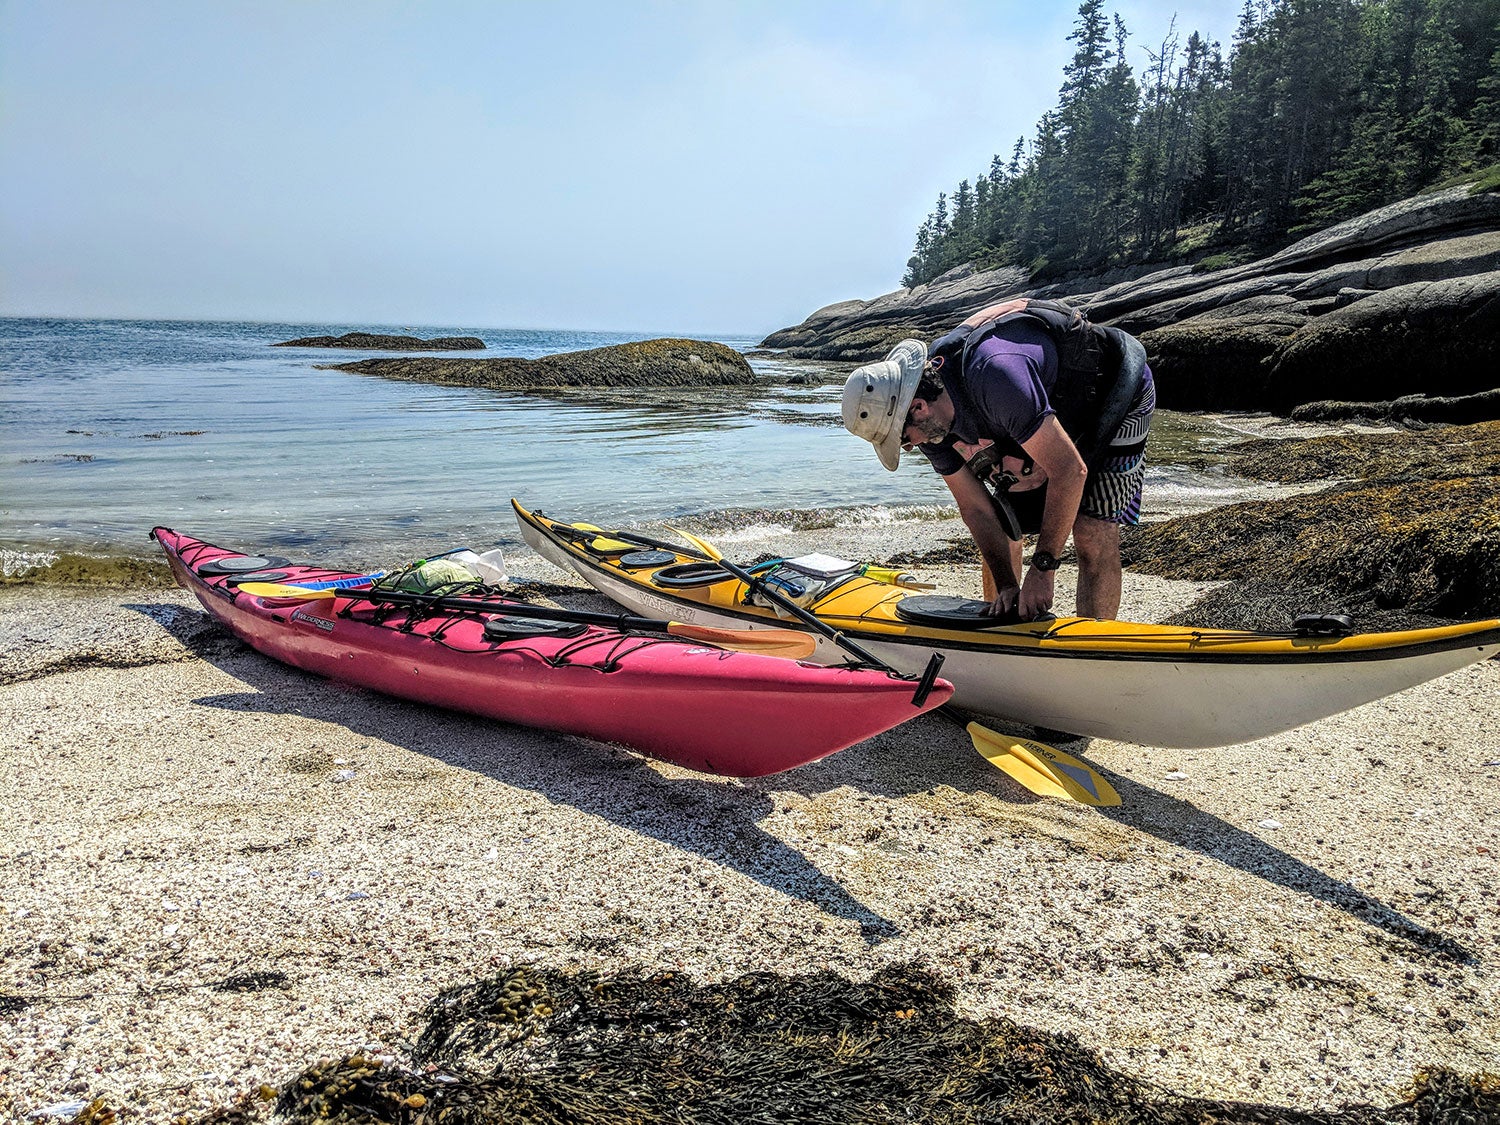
1401, 301
645, 363
373, 342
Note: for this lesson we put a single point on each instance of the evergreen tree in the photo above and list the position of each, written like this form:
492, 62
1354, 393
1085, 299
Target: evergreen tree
917, 266
1244, 98
963, 244
1083, 135
1204, 185
1148, 180
1483, 139
1322, 109
1363, 175
1116, 137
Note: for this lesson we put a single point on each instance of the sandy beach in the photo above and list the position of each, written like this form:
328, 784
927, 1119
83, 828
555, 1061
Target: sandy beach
215, 871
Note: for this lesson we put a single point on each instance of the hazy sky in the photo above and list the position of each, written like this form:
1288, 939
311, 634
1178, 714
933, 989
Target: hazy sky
709, 166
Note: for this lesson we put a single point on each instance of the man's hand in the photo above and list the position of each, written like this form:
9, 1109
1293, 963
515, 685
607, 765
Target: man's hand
1036, 594
1004, 605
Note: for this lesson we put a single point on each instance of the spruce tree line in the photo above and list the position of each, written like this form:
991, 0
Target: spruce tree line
1323, 109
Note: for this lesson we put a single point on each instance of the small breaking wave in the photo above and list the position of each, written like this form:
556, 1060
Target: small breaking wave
746, 524
19, 564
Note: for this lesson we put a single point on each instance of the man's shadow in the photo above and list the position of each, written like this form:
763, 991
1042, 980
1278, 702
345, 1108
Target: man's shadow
1182, 823
1146, 810
696, 816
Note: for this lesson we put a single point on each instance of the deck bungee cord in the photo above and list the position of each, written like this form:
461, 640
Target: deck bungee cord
616, 646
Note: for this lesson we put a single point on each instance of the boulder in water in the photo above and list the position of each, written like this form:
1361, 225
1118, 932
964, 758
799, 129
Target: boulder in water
646, 363
373, 342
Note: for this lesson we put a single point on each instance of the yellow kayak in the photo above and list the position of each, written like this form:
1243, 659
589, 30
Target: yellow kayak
1156, 685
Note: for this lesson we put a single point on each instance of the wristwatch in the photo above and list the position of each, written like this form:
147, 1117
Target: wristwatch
1044, 560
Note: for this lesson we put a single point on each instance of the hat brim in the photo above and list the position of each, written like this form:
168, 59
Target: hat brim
910, 356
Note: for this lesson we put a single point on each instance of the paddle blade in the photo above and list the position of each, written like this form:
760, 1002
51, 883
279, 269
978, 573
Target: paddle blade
1043, 769
788, 643
342, 583
282, 590
604, 544
702, 544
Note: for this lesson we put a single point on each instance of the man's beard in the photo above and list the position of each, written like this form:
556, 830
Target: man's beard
932, 430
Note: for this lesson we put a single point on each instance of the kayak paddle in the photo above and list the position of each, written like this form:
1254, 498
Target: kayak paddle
1042, 769
579, 532
792, 644
605, 542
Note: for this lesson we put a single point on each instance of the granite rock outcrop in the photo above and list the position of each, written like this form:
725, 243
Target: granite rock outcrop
1402, 301
646, 363
371, 341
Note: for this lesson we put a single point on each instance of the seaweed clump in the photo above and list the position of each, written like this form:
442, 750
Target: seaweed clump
1414, 525
68, 568
587, 1049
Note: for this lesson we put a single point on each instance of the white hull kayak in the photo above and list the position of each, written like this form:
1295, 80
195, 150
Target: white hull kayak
1155, 685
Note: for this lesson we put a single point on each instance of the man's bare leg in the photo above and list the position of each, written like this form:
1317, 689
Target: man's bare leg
1099, 576
987, 580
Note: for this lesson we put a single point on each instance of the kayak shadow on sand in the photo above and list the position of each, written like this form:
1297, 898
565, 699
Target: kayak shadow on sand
715, 819
719, 820
949, 759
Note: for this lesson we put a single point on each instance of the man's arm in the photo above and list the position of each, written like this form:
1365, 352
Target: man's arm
1052, 449
994, 545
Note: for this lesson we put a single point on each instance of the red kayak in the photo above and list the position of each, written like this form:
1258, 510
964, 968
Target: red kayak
740, 714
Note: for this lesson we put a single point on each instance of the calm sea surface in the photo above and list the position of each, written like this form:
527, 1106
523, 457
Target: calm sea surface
112, 427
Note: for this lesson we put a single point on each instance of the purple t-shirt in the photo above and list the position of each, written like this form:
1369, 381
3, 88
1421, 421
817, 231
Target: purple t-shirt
1004, 395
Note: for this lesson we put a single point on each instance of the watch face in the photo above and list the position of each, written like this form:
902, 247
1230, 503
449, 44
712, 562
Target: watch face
1043, 561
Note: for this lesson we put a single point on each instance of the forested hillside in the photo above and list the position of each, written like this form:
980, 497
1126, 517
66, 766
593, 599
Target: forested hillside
1322, 109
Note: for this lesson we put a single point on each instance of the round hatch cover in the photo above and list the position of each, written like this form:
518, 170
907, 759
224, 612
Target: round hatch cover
240, 564
635, 560
949, 612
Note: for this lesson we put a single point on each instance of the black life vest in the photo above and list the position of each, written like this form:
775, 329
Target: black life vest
1099, 369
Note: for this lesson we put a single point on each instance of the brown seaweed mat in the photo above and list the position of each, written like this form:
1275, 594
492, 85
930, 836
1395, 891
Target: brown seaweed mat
586, 1049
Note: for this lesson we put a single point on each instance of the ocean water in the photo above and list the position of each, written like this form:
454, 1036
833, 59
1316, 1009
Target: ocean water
112, 427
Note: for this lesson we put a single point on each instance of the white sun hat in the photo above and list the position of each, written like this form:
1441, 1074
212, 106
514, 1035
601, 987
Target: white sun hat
878, 395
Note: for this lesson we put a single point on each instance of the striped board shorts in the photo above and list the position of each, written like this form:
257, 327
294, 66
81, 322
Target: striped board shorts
1113, 491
